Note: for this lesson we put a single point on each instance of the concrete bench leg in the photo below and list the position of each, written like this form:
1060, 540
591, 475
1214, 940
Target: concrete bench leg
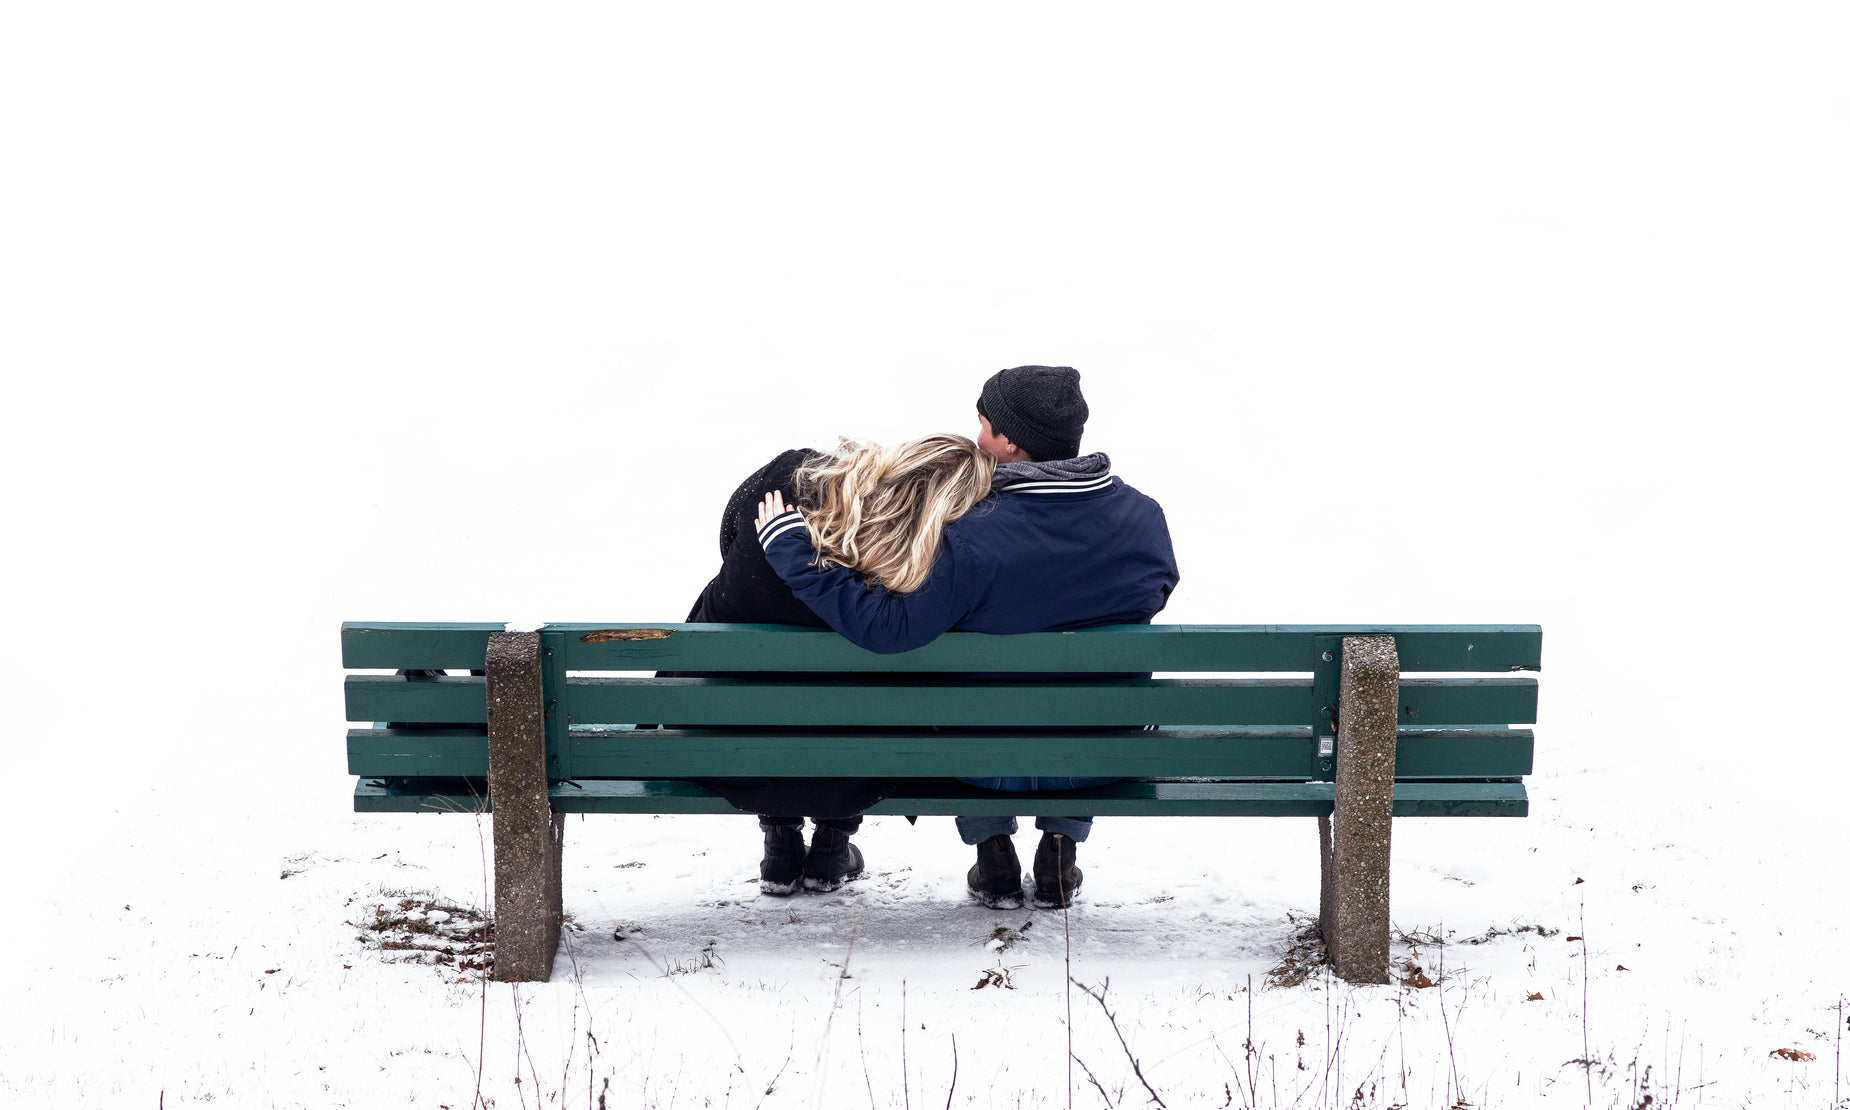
529, 839
1355, 841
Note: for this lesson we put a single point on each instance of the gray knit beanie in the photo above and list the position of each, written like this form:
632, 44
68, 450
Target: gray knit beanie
1039, 408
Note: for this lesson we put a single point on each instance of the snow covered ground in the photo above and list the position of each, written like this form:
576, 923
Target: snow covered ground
408, 312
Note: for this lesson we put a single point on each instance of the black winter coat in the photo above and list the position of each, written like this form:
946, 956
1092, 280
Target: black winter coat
747, 591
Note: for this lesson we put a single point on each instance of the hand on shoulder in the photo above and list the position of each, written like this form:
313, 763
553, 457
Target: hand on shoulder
771, 507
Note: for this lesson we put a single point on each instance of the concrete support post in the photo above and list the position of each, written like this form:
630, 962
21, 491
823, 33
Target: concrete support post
1326, 893
529, 839
1356, 839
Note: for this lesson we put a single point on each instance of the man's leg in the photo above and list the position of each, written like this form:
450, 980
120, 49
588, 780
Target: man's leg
1073, 828
995, 878
1056, 875
1056, 871
975, 830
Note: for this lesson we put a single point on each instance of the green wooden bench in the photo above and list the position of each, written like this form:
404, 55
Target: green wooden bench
1269, 720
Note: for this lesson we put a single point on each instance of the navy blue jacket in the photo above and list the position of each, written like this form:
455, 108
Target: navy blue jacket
1041, 556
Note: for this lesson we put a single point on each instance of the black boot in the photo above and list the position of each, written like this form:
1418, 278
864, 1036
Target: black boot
995, 878
1056, 876
832, 860
782, 865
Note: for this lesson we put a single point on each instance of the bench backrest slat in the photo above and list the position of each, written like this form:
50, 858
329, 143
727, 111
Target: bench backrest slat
365, 645
1498, 700
1178, 648
1246, 753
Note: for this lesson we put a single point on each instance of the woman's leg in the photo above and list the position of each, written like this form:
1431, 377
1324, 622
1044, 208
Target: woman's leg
781, 869
832, 860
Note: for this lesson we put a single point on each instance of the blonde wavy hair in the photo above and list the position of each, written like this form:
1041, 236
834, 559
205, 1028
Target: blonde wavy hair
881, 511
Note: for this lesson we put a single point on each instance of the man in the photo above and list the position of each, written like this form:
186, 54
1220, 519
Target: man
1060, 544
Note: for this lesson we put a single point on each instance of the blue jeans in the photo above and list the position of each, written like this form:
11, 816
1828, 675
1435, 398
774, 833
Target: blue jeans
975, 830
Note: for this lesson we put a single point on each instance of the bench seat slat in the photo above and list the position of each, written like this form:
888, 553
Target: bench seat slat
1129, 702
1214, 753
1192, 798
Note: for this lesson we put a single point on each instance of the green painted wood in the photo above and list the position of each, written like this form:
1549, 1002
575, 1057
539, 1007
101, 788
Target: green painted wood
728, 702
1326, 682
367, 645
1131, 799
1442, 754
426, 795
1106, 703
1205, 753
457, 699
1192, 752
552, 683
1178, 648
417, 753
1467, 701
1459, 799
648, 753
440, 769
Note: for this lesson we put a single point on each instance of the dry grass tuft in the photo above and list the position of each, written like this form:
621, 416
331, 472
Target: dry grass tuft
423, 928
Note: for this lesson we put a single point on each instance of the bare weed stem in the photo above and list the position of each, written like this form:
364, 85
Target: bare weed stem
865, 1074
481, 1043
1400, 1034
1252, 1083
822, 1050
772, 1085
520, 1045
1586, 1049
1093, 1079
1136, 1067
592, 1048
1451, 1049
953, 1090
1066, 928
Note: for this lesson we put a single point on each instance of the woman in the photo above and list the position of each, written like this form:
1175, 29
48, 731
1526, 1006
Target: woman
880, 511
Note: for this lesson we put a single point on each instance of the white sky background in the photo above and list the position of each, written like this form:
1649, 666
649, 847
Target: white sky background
1447, 313
1405, 313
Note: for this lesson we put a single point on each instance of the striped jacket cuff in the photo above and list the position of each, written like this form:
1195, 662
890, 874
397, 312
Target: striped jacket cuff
781, 525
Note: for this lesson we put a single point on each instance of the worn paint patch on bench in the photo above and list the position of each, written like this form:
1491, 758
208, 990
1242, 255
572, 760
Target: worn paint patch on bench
615, 635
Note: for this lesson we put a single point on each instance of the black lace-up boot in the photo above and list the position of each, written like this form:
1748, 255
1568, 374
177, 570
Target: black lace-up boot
782, 866
832, 860
1056, 875
995, 878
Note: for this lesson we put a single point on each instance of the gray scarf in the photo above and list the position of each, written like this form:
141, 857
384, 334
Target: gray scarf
1095, 465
